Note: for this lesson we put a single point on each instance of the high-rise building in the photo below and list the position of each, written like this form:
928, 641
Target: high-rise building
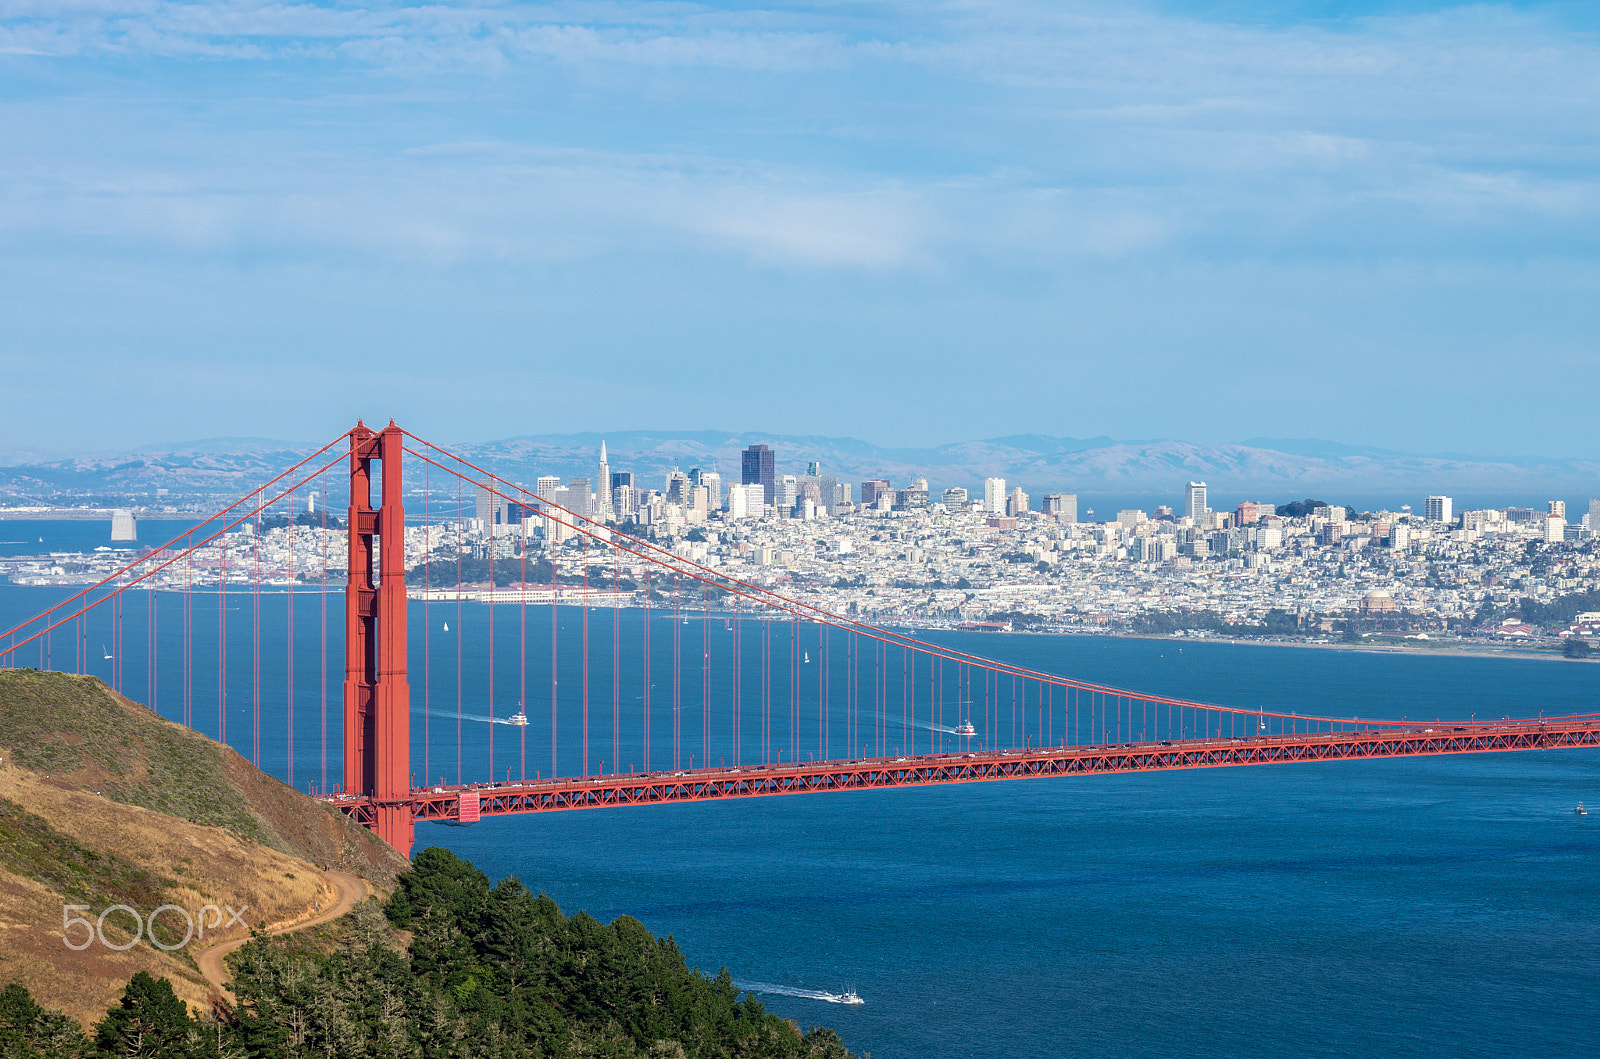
814, 469
955, 498
786, 491
744, 501
484, 510
1247, 513
994, 496
677, 491
871, 489
1194, 500
1437, 509
1064, 506
1558, 509
581, 495
756, 468
602, 483
547, 484
1017, 502
1594, 513
123, 527
828, 486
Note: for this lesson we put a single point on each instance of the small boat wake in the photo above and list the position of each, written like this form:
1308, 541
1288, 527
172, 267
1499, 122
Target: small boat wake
847, 997
484, 718
964, 729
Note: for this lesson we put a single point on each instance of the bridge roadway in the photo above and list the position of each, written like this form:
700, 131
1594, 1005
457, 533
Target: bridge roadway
466, 803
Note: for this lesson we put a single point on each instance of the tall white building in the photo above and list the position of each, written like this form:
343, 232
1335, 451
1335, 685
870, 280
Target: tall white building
994, 496
1437, 509
603, 488
1558, 509
745, 501
1194, 500
547, 484
123, 527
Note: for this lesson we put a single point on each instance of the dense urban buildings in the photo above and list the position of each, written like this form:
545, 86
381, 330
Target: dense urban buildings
911, 556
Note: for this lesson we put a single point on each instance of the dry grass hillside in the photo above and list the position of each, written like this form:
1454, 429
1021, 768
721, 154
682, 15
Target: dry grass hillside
104, 803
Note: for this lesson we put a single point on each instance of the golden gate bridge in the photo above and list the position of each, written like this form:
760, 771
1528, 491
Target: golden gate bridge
734, 678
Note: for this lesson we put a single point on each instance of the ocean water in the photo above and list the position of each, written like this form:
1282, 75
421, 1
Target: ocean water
1424, 907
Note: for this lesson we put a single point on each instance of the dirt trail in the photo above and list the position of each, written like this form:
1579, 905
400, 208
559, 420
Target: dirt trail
351, 890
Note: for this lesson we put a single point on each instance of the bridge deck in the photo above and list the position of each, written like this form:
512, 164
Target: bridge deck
754, 781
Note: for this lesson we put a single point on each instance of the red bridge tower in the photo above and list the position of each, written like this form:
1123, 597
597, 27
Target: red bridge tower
377, 698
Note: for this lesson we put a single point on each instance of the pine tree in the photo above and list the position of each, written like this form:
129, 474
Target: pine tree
151, 1023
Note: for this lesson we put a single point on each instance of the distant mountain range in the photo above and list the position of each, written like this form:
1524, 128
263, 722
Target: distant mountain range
1148, 472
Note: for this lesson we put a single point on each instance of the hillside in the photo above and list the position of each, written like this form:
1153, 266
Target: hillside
104, 803
1265, 468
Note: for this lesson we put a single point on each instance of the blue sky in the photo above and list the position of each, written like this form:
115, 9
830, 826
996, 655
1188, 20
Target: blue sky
915, 223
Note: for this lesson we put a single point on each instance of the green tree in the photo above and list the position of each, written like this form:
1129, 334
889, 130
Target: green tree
1575, 648
151, 1023
28, 1031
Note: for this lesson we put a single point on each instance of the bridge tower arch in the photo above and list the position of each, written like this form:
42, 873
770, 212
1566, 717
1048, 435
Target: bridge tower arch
377, 696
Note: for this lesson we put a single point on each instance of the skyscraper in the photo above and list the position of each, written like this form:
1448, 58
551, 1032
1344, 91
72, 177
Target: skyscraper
1437, 509
994, 496
1194, 500
1064, 506
871, 489
756, 468
603, 488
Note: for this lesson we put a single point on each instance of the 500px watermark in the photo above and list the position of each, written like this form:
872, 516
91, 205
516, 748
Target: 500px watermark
145, 926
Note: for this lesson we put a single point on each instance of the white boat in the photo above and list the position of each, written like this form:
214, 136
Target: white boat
446, 626
104, 652
848, 997
519, 718
808, 658
965, 728
1580, 810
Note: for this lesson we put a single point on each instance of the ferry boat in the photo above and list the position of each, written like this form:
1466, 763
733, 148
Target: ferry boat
519, 718
965, 728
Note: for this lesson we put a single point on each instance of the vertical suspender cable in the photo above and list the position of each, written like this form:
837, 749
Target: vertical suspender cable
427, 623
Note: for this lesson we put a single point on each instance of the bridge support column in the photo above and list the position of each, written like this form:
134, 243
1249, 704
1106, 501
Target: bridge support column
377, 697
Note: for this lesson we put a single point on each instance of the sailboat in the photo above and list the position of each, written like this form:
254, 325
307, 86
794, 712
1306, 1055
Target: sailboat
446, 626
808, 658
105, 653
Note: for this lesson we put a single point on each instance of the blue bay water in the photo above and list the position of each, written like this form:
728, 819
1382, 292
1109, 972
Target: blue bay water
1424, 907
